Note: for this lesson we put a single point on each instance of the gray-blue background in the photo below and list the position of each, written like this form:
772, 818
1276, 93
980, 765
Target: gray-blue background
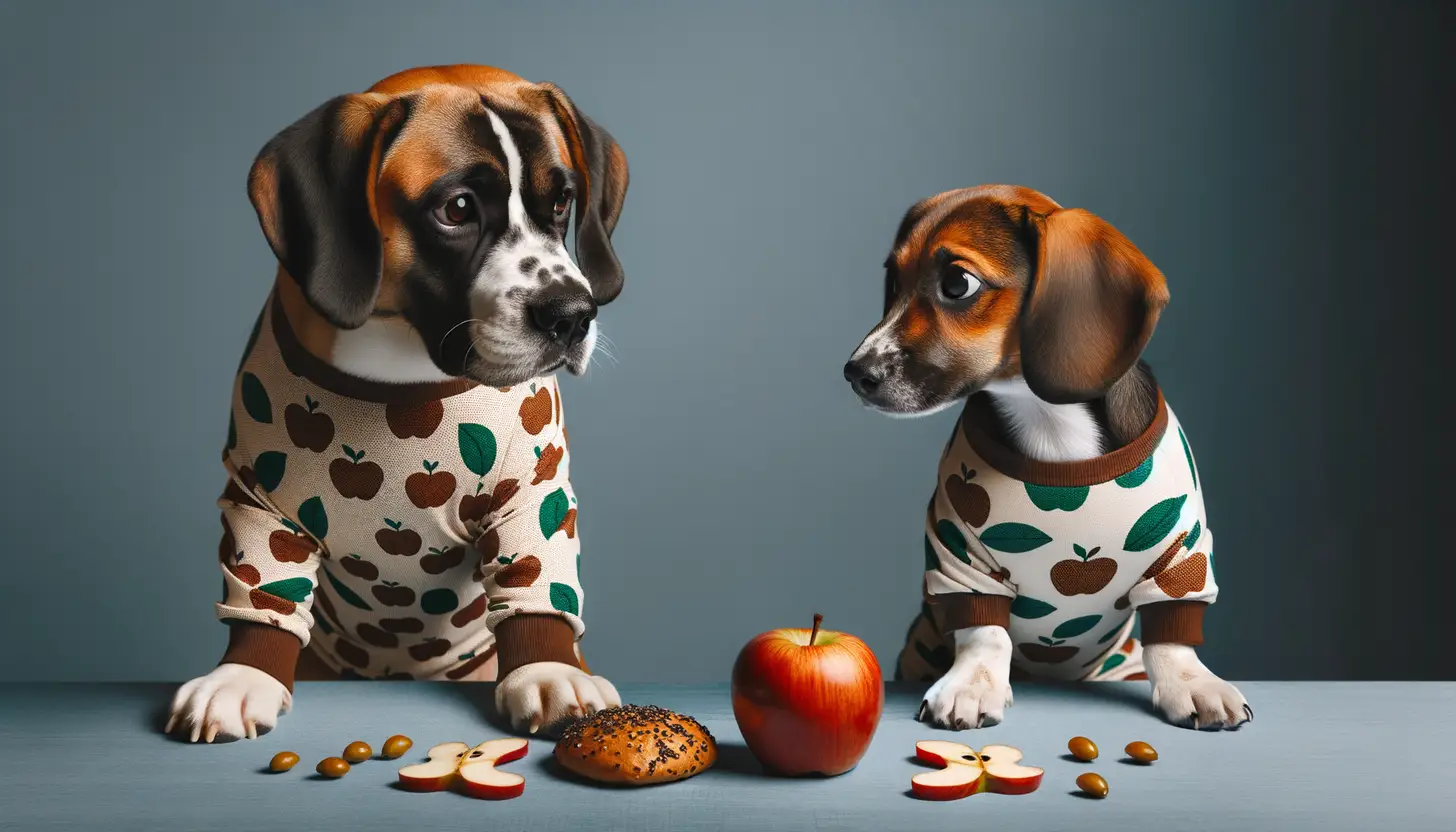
1282, 163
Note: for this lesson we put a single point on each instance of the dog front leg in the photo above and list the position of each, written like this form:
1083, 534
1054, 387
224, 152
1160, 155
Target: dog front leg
1188, 693
976, 691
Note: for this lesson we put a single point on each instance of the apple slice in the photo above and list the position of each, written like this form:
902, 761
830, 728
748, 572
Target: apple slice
479, 776
474, 767
967, 772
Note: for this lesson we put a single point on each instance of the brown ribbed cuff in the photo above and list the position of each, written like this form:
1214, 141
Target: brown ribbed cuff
527, 638
957, 611
1173, 622
271, 650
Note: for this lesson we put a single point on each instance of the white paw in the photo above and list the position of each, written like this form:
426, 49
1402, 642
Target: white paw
1189, 694
545, 694
234, 700
976, 691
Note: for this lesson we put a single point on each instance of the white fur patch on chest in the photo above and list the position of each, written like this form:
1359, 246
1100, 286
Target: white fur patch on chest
1042, 430
385, 349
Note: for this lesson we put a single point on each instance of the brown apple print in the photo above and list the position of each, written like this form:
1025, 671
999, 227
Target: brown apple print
569, 523
355, 479
323, 603
1048, 652
400, 676
392, 594
234, 493
397, 540
488, 545
1083, 575
474, 507
473, 662
1167, 557
352, 653
504, 491
232, 557
536, 411
267, 601
1185, 577
360, 568
247, 478
429, 649
469, 612
1121, 603
547, 461
291, 546
307, 427
440, 560
401, 625
429, 488
518, 571
377, 637
414, 420
971, 502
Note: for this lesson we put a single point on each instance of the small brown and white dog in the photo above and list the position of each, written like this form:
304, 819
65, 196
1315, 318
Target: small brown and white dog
397, 396
1068, 499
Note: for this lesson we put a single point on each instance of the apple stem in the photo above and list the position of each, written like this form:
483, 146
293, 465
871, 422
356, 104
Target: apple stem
814, 633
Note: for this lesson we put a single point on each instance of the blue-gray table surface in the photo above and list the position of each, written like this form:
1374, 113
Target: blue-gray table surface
1330, 756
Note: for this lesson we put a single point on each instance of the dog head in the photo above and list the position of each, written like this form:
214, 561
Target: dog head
997, 281
444, 195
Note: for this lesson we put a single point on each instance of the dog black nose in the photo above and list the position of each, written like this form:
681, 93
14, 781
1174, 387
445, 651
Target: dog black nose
564, 318
865, 380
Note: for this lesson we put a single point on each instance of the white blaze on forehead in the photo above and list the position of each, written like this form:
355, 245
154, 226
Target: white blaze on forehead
515, 205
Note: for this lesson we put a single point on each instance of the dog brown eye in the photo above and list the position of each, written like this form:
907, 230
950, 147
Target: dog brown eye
457, 210
563, 202
959, 283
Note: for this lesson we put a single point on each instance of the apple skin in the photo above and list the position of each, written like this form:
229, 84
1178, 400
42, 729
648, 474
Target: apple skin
807, 709
489, 792
984, 783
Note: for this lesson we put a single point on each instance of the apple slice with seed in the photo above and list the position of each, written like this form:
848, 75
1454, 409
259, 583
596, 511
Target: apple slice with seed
475, 768
966, 772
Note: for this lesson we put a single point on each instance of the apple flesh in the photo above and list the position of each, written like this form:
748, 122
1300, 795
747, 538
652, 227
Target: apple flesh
474, 768
807, 701
994, 768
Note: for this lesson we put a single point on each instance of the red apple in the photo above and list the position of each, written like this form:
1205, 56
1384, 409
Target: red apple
807, 701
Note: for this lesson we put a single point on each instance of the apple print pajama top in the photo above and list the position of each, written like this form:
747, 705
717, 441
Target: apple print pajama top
1063, 554
395, 529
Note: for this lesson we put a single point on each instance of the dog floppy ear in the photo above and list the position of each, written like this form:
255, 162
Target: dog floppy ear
1093, 302
313, 188
602, 167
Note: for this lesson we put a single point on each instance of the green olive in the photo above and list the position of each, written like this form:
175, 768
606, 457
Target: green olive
283, 761
396, 746
334, 767
358, 752
1082, 748
1093, 784
1142, 752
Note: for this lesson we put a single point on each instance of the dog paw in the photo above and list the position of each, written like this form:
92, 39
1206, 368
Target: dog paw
976, 691
544, 695
234, 700
1189, 694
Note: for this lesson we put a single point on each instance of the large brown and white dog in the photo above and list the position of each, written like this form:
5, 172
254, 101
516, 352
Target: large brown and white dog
423, 299
1068, 499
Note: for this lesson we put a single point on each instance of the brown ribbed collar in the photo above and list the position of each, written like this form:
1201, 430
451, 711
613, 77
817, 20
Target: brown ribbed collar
980, 414
303, 363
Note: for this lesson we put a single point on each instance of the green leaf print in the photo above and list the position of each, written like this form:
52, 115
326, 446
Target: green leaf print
439, 601
346, 594
1137, 476
1193, 534
313, 517
1052, 497
1188, 452
1112, 662
1154, 525
1014, 537
268, 468
1027, 607
289, 589
1073, 627
952, 539
553, 512
477, 448
1112, 634
564, 598
932, 560
255, 400
497, 607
